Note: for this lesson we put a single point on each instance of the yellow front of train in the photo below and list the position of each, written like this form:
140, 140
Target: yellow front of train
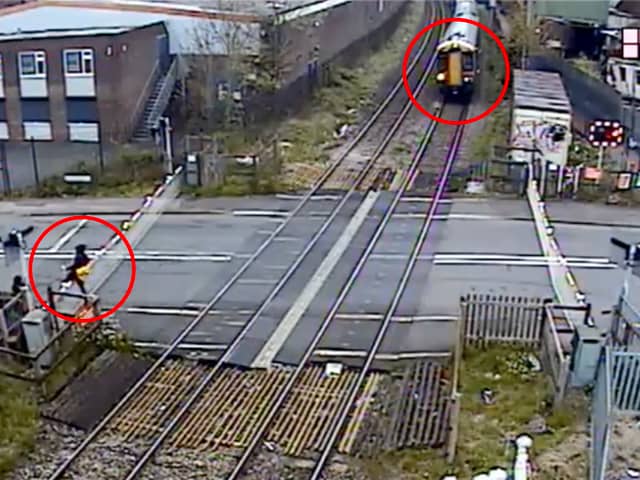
456, 69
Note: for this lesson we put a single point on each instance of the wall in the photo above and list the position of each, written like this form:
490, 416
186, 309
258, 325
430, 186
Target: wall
341, 35
120, 78
590, 97
331, 32
125, 80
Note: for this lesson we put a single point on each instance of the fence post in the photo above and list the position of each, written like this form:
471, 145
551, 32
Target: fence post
4, 165
3, 327
34, 159
50, 296
455, 396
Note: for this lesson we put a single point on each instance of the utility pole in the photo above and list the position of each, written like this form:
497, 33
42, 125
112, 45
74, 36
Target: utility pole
34, 160
600, 160
166, 123
275, 58
525, 47
633, 107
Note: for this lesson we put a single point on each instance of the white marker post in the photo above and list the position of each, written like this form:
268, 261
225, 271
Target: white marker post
24, 271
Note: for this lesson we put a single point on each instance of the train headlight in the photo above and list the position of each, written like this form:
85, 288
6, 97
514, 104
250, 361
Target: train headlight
466, 79
440, 77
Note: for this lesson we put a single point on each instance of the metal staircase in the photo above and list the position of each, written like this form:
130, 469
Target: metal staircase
156, 104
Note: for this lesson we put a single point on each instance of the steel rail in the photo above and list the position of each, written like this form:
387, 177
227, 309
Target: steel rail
186, 406
339, 420
61, 470
344, 291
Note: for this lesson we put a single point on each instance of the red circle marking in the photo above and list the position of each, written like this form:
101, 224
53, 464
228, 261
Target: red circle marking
132, 279
505, 57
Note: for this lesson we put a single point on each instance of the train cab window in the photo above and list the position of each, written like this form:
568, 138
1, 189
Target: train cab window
467, 62
442, 62
637, 77
623, 74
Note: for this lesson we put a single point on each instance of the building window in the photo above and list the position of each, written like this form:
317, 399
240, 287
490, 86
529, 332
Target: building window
78, 62
630, 43
33, 64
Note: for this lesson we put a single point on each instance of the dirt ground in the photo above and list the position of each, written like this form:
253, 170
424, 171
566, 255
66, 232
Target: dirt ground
624, 449
566, 461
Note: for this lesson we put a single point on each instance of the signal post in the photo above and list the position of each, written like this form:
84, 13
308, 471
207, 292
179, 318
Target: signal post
605, 133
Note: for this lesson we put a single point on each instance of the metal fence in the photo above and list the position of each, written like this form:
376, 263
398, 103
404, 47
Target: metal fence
625, 328
486, 319
534, 322
12, 309
555, 348
66, 351
616, 396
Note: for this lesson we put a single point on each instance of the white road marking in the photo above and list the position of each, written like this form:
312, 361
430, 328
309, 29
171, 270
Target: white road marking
380, 356
257, 281
285, 196
455, 216
67, 236
259, 213
409, 199
182, 346
310, 291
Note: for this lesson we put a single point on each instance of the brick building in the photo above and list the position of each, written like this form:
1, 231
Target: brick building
77, 85
89, 70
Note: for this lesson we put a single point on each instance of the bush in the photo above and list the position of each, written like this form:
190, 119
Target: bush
18, 422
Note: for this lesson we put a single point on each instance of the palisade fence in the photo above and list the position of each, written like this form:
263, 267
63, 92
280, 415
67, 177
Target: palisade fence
616, 395
67, 351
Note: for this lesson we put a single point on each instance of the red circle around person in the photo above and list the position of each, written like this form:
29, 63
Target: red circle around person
124, 240
495, 104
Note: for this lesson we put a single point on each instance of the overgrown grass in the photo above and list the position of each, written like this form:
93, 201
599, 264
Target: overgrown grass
485, 430
131, 175
349, 90
310, 134
18, 422
494, 132
586, 66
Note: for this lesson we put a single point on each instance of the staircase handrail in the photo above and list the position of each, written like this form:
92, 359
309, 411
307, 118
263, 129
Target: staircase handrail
134, 121
168, 82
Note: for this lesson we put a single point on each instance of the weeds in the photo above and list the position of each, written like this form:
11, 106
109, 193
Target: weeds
310, 135
521, 395
132, 175
18, 422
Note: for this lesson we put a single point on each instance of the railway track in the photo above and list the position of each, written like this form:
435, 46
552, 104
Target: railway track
359, 390
159, 401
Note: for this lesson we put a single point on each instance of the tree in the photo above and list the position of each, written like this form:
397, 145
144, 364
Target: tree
521, 37
218, 70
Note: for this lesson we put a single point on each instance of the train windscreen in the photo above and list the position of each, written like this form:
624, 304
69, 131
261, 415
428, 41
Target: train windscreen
467, 62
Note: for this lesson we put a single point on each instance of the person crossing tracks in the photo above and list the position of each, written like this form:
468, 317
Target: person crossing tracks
79, 270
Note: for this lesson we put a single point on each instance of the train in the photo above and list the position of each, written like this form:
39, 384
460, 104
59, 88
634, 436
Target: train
457, 53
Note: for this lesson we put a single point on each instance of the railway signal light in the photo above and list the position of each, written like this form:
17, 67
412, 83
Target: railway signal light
605, 133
